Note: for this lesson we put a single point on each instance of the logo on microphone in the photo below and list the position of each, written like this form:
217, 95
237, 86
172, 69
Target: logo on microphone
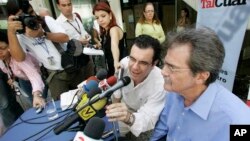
87, 113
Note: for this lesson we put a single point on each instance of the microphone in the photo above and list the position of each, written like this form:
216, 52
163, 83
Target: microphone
107, 83
85, 111
93, 130
100, 75
85, 90
121, 83
89, 108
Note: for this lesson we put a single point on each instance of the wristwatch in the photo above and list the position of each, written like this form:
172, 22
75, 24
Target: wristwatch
38, 94
131, 119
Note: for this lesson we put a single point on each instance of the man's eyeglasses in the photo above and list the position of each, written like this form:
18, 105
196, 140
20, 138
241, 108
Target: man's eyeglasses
173, 69
140, 63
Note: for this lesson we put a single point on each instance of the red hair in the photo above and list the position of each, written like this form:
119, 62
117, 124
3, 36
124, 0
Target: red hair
105, 7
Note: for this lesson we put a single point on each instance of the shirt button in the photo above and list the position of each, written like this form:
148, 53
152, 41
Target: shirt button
183, 113
178, 127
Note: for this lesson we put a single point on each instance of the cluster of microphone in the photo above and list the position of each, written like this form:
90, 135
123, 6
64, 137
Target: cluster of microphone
92, 98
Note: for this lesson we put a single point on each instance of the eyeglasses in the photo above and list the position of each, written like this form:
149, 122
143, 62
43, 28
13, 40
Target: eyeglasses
140, 63
172, 69
149, 11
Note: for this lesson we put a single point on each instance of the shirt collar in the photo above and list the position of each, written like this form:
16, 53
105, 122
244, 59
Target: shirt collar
64, 19
204, 103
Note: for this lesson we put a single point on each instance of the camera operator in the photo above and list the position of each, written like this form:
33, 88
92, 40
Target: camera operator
39, 43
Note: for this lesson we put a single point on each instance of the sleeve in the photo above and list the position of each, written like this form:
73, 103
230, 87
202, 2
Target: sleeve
160, 130
147, 116
138, 29
32, 73
53, 25
162, 34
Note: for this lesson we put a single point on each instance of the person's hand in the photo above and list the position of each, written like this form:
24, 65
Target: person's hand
117, 66
14, 25
10, 82
98, 45
34, 33
117, 112
85, 40
38, 101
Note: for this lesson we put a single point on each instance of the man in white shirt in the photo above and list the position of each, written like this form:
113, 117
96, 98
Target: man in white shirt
71, 22
143, 99
73, 26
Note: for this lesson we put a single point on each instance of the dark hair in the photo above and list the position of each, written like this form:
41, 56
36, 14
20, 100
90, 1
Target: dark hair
13, 6
105, 7
186, 11
207, 51
4, 36
145, 41
142, 18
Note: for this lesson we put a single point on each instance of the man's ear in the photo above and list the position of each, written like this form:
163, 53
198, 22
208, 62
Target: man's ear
202, 77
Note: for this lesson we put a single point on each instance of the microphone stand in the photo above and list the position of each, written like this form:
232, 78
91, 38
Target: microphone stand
114, 123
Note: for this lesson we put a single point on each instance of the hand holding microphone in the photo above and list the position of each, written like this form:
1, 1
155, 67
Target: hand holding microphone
117, 112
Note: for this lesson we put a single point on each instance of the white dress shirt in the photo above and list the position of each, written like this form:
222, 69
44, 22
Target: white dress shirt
74, 28
146, 100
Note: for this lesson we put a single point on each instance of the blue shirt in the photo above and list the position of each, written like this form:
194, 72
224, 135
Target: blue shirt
207, 119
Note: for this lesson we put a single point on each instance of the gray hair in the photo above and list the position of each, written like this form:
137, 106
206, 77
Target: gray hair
207, 50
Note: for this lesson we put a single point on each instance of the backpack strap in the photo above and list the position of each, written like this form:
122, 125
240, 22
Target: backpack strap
78, 16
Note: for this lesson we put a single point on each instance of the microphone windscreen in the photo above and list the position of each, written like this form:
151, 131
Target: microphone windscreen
92, 78
94, 92
111, 80
92, 84
126, 80
101, 74
94, 128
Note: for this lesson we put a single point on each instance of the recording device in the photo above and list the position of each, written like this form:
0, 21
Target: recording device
93, 130
88, 109
29, 21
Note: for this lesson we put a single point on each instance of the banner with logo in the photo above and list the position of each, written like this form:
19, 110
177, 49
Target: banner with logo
228, 18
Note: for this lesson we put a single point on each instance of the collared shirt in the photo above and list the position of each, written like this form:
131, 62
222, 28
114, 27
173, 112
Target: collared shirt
26, 70
146, 100
41, 50
74, 28
154, 30
207, 119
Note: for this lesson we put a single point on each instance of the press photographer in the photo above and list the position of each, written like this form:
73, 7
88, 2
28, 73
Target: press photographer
39, 42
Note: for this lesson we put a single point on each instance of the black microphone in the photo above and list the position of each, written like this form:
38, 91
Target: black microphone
121, 83
93, 130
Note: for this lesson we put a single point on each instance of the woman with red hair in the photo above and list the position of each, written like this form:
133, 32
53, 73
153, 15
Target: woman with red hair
112, 36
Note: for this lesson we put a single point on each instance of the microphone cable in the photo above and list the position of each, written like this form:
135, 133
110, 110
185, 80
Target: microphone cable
44, 129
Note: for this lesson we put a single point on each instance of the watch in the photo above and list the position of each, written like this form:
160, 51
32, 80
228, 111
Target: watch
38, 94
131, 119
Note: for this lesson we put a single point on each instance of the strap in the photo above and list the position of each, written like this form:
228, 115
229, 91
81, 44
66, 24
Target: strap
78, 16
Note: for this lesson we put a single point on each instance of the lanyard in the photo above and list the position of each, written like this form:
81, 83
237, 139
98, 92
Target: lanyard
41, 41
78, 31
9, 70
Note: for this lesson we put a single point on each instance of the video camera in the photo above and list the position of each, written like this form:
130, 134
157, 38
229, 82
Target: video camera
29, 21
